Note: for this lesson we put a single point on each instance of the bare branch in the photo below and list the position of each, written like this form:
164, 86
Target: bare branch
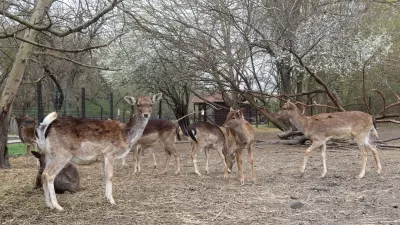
61, 33
75, 62
69, 50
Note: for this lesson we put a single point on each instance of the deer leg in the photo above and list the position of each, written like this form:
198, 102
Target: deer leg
313, 146
376, 157
323, 154
221, 155
123, 161
154, 158
167, 159
135, 159
251, 159
364, 159
195, 147
207, 152
53, 167
239, 160
140, 154
108, 172
172, 150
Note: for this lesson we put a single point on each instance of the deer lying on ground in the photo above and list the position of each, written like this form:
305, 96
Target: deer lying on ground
67, 139
66, 180
243, 134
26, 132
206, 136
320, 128
162, 131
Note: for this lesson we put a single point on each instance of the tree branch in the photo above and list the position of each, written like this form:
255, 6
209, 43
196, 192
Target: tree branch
61, 33
68, 50
75, 62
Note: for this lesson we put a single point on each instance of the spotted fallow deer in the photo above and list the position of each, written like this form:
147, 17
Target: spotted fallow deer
162, 131
26, 132
320, 128
64, 139
207, 136
243, 134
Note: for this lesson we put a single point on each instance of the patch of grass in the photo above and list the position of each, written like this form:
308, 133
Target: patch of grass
16, 149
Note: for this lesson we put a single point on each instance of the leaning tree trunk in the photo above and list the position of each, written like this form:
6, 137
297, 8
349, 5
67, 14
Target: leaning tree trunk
17, 72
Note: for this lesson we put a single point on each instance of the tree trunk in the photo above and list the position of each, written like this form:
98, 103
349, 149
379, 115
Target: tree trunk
17, 72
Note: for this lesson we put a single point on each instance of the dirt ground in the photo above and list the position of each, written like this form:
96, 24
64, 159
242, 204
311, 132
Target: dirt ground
279, 196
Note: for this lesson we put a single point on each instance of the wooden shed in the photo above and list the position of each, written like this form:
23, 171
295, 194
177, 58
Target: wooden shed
218, 115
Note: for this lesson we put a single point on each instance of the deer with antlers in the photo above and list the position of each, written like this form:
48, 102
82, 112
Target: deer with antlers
64, 139
320, 128
243, 134
162, 131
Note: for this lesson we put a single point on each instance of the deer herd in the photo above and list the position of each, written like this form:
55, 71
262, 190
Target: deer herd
66, 141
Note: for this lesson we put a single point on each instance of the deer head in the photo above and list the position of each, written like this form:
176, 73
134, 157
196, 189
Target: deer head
234, 118
144, 104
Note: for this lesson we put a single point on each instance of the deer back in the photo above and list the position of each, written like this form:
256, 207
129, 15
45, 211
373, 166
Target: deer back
81, 136
158, 130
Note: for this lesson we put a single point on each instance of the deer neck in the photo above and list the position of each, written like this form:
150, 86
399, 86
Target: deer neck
242, 133
299, 121
135, 128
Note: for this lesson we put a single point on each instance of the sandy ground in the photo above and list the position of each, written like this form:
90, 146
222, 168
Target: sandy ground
279, 196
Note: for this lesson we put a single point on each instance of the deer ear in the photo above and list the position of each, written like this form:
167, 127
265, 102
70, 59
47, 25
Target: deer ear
130, 100
240, 112
232, 109
157, 97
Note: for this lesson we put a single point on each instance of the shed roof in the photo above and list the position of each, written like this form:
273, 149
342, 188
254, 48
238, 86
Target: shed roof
210, 98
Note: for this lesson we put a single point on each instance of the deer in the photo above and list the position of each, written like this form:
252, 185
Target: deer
66, 180
65, 139
355, 125
162, 131
26, 132
242, 133
204, 135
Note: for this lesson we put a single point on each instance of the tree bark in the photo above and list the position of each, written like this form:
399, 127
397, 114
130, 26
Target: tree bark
16, 74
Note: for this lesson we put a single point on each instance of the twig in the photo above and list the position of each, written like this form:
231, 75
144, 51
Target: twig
218, 215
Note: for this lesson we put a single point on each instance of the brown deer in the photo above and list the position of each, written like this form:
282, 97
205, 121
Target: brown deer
208, 136
78, 140
66, 180
26, 132
320, 128
243, 134
162, 131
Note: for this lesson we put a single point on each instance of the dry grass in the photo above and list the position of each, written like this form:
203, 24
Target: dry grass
188, 199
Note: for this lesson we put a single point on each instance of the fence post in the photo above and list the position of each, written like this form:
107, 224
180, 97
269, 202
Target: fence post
39, 101
111, 106
83, 103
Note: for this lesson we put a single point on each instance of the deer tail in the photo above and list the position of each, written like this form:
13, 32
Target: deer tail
42, 129
192, 133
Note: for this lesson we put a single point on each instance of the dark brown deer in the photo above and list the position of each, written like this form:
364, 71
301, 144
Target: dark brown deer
26, 132
320, 128
208, 136
66, 180
67, 139
163, 132
243, 134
